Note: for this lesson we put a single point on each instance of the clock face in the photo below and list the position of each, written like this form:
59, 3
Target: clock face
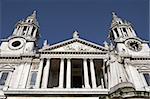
134, 45
16, 43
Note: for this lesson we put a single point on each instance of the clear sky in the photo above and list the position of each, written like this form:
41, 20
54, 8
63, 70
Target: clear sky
59, 18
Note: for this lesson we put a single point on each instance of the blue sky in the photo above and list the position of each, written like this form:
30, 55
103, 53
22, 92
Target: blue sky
59, 18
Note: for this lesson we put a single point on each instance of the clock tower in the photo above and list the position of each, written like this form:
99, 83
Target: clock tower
24, 38
124, 38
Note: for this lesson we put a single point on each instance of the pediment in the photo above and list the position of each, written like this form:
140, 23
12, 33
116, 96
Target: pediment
6, 67
74, 45
144, 68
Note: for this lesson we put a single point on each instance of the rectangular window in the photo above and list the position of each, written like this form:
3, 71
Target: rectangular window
33, 78
3, 78
147, 78
124, 30
25, 27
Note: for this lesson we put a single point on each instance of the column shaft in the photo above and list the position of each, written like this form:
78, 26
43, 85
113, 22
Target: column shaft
26, 72
93, 78
86, 76
46, 74
30, 30
114, 33
61, 74
34, 33
68, 80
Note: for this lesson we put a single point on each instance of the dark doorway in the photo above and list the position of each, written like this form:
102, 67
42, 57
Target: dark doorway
77, 74
77, 82
53, 80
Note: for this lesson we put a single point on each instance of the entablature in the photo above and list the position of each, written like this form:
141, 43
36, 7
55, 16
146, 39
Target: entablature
73, 55
18, 60
71, 52
138, 61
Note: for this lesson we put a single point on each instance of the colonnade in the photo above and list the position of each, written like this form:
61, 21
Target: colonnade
43, 78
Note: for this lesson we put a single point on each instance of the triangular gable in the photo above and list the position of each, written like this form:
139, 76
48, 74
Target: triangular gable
6, 67
144, 68
75, 44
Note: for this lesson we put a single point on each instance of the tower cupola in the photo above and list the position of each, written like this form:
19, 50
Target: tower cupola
120, 29
32, 19
28, 28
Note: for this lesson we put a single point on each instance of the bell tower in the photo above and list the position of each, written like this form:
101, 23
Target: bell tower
28, 28
124, 38
120, 29
24, 38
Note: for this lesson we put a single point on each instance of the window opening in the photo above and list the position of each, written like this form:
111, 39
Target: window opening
3, 78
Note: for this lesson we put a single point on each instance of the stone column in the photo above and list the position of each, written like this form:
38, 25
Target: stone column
109, 79
20, 30
114, 33
102, 83
68, 80
30, 30
34, 33
46, 74
15, 30
86, 76
61, 74
16, 75
38, 79
120, 32
93, 78
19, 75
25, 75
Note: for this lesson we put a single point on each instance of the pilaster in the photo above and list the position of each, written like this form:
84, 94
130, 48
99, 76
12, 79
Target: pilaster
38, 79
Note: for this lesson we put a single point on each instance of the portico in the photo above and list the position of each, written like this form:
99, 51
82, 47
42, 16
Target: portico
74, 63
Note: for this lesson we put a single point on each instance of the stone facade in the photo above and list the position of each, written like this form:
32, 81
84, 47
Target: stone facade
74, 68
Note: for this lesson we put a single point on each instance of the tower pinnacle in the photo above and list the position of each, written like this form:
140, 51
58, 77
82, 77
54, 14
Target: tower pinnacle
114, 15
120, 29
32, 18
34, 14
115, 18
28, 28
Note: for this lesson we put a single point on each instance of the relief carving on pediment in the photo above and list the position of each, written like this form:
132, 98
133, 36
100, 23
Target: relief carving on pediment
76, 48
